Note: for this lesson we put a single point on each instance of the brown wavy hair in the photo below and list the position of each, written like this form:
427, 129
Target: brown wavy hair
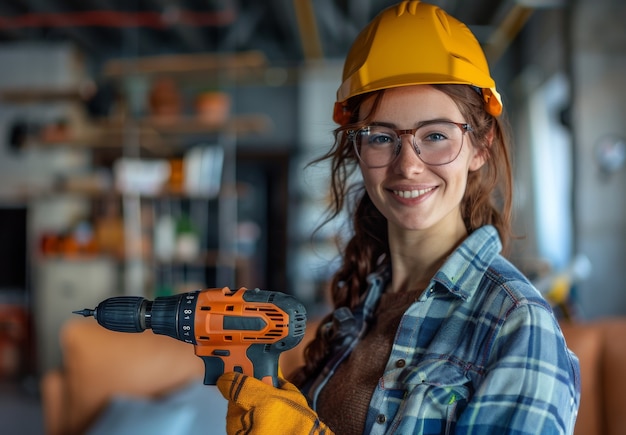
487, 200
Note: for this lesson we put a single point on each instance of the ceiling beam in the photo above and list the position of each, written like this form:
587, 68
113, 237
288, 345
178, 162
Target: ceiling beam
508, 28
309, 34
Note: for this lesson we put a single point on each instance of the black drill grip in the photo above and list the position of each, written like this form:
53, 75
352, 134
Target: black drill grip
265, 365
122, 313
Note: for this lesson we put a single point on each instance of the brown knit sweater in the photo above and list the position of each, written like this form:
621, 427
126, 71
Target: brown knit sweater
344, 401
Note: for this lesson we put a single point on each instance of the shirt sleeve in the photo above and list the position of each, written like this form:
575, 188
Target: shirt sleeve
531, 382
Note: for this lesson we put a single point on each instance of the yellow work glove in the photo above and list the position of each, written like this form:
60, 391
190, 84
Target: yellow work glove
256, 408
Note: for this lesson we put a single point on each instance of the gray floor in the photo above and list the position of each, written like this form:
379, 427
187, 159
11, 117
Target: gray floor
20, 408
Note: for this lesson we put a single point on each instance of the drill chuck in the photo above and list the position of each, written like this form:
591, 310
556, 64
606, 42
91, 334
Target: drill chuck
122, 314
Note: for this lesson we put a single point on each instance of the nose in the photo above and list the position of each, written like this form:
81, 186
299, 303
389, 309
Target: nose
408, 160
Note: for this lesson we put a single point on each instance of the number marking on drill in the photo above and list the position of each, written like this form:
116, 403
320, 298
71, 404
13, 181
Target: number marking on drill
187, 316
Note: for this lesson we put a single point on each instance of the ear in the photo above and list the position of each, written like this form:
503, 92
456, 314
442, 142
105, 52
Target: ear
478, 159
481, 154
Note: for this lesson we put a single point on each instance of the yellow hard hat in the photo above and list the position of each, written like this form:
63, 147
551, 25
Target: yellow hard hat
414, 43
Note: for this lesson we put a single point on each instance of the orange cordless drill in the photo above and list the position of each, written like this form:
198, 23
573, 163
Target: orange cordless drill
231, 330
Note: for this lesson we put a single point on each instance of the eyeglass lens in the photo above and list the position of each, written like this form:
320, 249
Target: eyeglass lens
436, 143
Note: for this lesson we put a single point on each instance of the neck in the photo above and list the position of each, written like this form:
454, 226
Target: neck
417, 255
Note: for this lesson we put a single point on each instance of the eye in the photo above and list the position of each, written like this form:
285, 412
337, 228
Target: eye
437, 132
379, 136
434, 137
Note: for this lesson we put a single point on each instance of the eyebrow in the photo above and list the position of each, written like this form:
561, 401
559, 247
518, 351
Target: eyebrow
417, 125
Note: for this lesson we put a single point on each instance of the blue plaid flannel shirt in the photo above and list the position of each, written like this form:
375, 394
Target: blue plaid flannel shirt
479, 352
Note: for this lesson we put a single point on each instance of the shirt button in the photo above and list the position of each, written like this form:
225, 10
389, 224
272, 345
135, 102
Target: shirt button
400, 363
381, 418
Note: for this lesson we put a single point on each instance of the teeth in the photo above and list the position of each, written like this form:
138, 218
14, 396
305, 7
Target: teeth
412, 193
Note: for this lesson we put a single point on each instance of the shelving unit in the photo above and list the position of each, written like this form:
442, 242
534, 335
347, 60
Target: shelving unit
161, 137
141, 270
139, 135
218, 248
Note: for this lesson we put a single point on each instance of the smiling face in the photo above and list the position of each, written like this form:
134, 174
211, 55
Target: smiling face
412, 195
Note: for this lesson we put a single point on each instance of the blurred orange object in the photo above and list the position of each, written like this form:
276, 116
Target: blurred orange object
109, 235
164, 99
213, 107
176, 181
50, 244
13, 337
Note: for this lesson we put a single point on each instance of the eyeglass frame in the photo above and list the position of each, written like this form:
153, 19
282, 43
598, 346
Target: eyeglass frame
463, 126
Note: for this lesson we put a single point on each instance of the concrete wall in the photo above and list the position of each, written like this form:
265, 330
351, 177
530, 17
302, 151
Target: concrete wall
592, 33
599, 40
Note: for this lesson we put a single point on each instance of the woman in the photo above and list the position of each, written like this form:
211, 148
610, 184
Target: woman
433, 332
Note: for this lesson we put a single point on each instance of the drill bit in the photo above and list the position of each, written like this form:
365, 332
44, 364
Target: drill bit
86, 312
